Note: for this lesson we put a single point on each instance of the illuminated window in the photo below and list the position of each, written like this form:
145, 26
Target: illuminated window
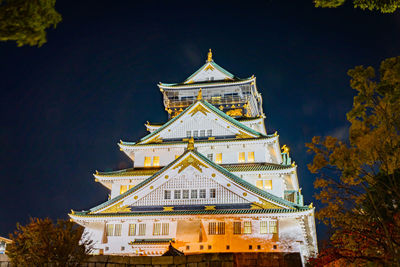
117, 229
212, 193
268, 184
210, 156
263, 227
157, 229
177, 156
130, 186
132, 229
165, 229
185, 194
188, 133
237, 228
122, 189
110, 229
167, 194
195, 134
242, 157
202, 133
177, 194
221, 228
250, 157
259, 184
212, 228
193, 194
156, 161
247, 227
202, 193
218, 158
273, 229
142, 229
209, 132
147, 161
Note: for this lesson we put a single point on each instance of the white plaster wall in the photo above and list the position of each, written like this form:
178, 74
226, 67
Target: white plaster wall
205, 75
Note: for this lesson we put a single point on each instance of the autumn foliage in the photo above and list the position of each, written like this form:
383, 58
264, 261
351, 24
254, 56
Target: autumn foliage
41, 242
359, 178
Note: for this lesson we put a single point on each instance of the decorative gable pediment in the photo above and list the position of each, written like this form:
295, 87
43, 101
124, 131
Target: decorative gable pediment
201, 119
192, 172
209, 72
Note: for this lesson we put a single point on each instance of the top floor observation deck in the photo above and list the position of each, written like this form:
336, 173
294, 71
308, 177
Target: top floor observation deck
236, 97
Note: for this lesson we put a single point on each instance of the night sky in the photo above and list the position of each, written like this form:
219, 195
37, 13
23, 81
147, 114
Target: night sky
65, 106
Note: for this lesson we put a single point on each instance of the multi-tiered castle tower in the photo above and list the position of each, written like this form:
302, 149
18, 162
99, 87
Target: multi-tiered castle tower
210, 179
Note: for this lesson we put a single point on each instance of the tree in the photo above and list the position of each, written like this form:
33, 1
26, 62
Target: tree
26, 21
359, 180
384, 6
41, 242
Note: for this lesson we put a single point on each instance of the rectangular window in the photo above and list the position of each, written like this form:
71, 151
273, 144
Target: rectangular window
212, 193
117, 229
188, 134
268, 184
177, 156
177, 194
250, 157
157, 229
259, 184
218, 158
156, 161
122, 189
202, 133
242, 157
167, 194
165, 229
202, 193
247, 227
193, 194
195, 134
147, 161
273, 229
209, 132
142, 229
221, 228
212, 228
185, 194
263, 227
130, 186
237, 228
132, 230
210, 156
110, 229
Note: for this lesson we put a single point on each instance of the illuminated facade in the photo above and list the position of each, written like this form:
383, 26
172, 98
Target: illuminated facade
210, 179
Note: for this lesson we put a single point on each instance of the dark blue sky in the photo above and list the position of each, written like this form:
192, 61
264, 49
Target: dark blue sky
65, 106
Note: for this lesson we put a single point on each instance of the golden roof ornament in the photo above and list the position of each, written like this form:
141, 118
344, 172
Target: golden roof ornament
200, 95
285, 149
191, 144
209, 56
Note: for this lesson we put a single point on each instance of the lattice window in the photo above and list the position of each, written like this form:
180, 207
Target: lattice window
247, 227
212, 228
185, 194
167, 194
188, 134
147, 161
221, 228
237, 228
273, 228
142, 229
250, 157
117, 229
263, 227
156, 161
165, 229
195, 134
210, 157
193, 194
202, 193
132, 230
242, 157
212, 193
122, 189
202, 133
218, 158
110, 229
157, 229
209, 132
177, 194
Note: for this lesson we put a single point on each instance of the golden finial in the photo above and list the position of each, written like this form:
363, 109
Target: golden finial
72, 212
209, 56
191, 144
200, 95
311, 205
285, 149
